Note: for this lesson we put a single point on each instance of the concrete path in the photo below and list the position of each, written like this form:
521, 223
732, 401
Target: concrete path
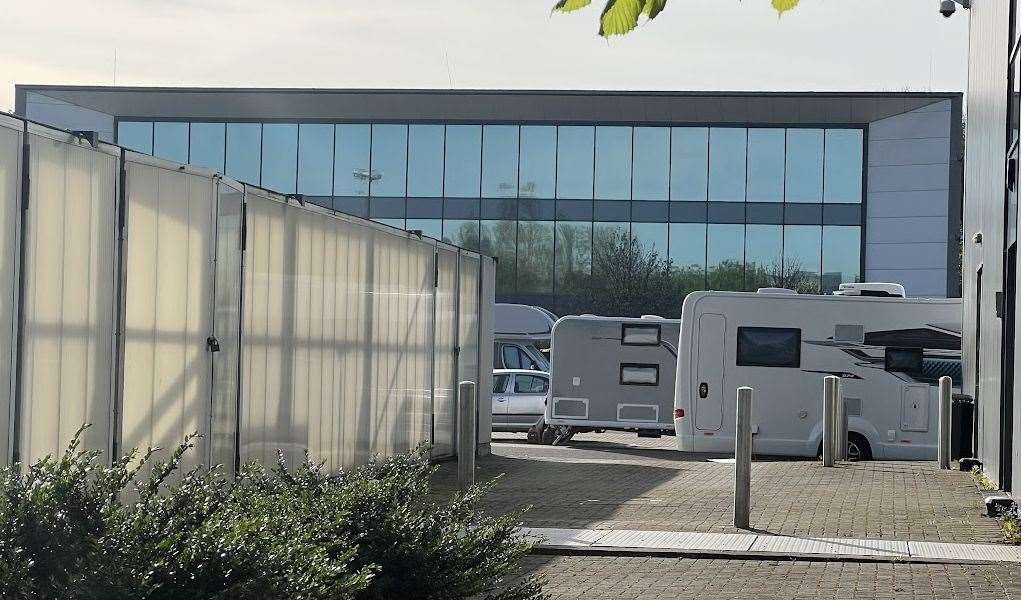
751, 545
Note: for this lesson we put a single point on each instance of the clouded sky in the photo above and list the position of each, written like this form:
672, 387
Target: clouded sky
890, 45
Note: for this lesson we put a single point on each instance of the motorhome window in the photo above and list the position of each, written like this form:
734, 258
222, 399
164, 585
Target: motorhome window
640, 335
530, 384
500, 384
904, 360
639, 374
511, 358
768, 347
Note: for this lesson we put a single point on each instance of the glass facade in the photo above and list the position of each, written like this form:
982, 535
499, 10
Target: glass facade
569, 210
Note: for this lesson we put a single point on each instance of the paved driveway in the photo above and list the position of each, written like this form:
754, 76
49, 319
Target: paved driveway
617, 481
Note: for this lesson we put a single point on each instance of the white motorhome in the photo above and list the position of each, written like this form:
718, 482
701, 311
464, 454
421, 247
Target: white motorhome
888, 351
613, 373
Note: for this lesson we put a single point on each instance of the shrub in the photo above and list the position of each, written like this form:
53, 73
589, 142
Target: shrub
70, 528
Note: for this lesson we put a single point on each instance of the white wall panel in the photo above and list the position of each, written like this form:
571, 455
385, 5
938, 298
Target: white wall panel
10, 200
69, 274
169, 291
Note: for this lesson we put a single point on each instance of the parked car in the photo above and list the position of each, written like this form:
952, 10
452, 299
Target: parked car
519, 398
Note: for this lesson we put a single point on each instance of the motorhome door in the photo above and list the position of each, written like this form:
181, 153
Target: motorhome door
708, 383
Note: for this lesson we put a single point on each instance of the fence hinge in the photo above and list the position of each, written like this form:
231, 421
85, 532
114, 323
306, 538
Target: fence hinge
212, 344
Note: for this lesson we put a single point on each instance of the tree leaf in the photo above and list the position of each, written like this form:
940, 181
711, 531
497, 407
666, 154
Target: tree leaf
654, 7
620, 16
570, 5
783, 6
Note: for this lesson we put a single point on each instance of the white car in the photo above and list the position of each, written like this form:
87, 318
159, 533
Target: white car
519, 398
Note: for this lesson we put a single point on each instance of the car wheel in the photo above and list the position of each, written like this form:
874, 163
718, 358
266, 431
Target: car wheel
858, 447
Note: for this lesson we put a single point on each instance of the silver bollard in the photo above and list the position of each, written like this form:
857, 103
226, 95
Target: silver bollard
946, 387
466, 434
830, 387
840, 446
743, 458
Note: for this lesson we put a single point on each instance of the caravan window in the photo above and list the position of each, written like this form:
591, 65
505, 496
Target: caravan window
639, 374
904, 360
768, 347
639, 335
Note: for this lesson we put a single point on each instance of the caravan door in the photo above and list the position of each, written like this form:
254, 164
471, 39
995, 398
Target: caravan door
708, 384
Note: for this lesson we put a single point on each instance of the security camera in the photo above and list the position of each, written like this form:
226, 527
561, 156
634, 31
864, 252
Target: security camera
947, 8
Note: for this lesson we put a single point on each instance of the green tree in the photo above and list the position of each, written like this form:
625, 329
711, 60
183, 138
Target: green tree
621, 16
629, 280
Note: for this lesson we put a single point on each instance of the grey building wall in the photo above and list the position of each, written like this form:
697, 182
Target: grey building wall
909, 200
984, 199
65, 115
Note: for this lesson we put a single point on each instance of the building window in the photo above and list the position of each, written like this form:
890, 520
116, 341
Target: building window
170, 141
575, 146
499, 239
651, 172
135, 135
244, 150
725, 252
613, 163
689, 163
500, 161
206, 146
639, 374
727, 148
425, 161
351, 173
389, 160
763, 256
843, 172
768, 347
687, 256
280, 157
315, 159
463, 165
535, 258
841, 256
802, 257
765, 165
538, 166
804, 168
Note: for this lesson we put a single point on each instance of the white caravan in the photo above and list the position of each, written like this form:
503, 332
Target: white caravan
889, 353
613, 373
521, 333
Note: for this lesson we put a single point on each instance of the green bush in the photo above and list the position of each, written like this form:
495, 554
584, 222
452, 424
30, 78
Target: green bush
71, 528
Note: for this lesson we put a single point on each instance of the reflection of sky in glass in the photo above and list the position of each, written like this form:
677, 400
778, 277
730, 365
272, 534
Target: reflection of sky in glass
575, 146
538, 161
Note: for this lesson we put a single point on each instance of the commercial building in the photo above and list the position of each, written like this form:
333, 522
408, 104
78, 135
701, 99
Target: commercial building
571, 190
990, 237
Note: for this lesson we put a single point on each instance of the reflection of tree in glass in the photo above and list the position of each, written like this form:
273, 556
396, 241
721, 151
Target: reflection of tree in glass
621, 16
497, 239
787, 273
535, 257
465, 236
630, 279
573, 264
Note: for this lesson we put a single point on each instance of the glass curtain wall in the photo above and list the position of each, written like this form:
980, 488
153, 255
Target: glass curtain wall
562, 206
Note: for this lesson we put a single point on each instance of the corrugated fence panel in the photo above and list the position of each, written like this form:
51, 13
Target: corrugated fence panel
69, 304
167, 368
444, 408
226, 325
468, 315
10, 201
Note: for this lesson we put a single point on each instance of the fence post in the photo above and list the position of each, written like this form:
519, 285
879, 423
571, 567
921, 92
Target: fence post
829, 419
466, 434
945, 399
743, 458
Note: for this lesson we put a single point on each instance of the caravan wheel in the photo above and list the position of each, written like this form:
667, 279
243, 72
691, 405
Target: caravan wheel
858, 447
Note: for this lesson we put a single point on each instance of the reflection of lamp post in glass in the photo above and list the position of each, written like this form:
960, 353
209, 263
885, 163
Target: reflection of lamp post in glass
367, 175
527, 189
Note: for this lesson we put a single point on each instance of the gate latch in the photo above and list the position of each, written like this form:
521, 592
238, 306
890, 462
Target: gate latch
212, 344
703, 390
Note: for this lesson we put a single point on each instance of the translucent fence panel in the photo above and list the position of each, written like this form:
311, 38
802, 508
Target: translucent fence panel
226, 324
468, 330
69, 296
444, 368
488, 294
168, 314
10, 201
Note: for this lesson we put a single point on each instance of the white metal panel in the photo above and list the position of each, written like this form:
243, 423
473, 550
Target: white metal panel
10, 201
915, 408
712, 355
69, 274
168, 309
487, 319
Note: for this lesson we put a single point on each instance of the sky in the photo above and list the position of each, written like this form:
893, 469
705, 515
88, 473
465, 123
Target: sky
821, 45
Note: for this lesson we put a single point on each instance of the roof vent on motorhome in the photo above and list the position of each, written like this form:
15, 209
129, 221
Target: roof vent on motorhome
882, 290
774, 290
652, 317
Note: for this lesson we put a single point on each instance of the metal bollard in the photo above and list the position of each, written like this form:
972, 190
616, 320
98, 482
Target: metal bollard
830, 386
743, 458
466, 434
946, 388
840, 446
